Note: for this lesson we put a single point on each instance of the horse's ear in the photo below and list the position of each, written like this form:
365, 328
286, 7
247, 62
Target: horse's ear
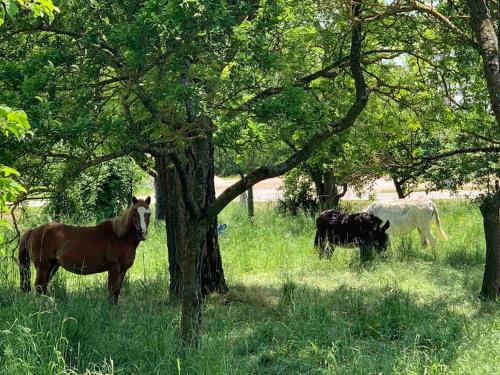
134, 199
386, 226
148, 200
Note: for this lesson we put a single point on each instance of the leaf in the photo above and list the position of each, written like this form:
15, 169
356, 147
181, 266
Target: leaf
7, 171
11, 7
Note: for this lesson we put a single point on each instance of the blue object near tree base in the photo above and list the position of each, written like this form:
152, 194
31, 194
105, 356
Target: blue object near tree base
221, 228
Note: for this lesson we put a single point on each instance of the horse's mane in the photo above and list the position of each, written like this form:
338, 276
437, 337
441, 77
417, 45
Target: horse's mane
121, 224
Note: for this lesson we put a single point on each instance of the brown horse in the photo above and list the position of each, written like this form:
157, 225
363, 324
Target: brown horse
109, 246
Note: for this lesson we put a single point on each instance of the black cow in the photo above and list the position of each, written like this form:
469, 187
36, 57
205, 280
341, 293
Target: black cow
337, 228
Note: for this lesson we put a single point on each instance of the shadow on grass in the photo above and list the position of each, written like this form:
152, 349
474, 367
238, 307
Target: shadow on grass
300, 329
293, 329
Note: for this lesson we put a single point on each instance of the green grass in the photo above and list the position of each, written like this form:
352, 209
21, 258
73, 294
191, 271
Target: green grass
415, 311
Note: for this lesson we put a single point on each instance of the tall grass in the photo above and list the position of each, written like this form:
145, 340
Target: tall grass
414, 311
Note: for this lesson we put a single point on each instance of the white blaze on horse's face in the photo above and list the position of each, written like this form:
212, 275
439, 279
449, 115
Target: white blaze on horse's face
143, 213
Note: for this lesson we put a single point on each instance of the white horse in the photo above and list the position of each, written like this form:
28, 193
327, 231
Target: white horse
406, 215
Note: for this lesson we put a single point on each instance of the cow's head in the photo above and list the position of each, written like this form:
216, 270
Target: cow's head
379, 235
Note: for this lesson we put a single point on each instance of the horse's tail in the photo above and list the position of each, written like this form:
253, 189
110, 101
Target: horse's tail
24, 262
438, 223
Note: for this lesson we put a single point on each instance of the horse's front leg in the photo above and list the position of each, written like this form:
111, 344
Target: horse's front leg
115, 280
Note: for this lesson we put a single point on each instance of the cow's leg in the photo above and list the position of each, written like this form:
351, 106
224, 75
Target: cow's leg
423, 239
429, 237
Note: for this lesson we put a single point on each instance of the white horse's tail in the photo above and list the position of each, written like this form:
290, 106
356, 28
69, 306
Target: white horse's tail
438, 223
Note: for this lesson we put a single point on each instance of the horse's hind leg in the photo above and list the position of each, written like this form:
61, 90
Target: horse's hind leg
44, 274
42, 279
423, 239
429, 237
52, 271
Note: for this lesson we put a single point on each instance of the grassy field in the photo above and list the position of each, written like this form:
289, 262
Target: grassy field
414, 312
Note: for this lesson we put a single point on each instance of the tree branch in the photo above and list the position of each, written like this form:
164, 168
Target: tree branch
460, 151
265, 172
412, 5
326, 72
343, 192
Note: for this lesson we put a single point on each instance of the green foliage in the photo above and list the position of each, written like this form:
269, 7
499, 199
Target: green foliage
99, 193
286, 312
298, 196
15, 123
39, 8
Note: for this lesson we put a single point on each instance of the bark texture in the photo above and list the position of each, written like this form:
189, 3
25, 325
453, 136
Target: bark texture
490, 209
161, 191
486, 37
487, 40
212, 272
175, 223
195, 264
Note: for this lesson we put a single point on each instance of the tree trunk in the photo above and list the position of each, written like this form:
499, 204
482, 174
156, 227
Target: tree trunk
486, 37
212, 273
212, 279
192, 300
250, 204
399, 188
327, 190
160, 187
491, 222
175, 224
195, 264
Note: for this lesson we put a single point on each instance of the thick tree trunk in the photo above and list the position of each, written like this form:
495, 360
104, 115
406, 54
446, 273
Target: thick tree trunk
250, 205
160, 187
486, 37
212, 272
399, 188
195, 264
490, 208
